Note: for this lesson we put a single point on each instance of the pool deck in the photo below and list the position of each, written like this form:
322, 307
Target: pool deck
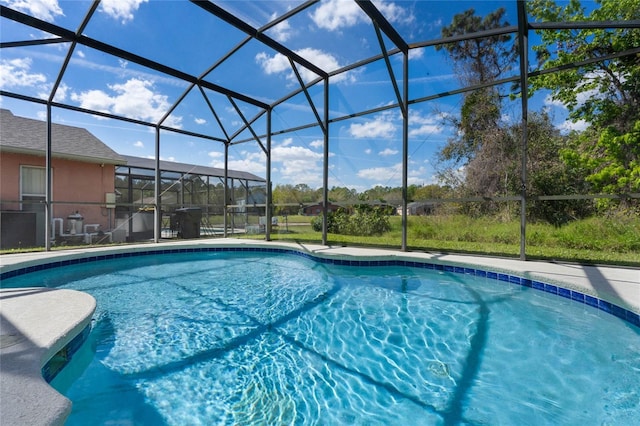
35, 323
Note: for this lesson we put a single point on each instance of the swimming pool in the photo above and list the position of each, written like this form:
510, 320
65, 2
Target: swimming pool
271, 337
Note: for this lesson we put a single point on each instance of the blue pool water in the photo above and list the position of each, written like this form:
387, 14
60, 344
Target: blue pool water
269, 338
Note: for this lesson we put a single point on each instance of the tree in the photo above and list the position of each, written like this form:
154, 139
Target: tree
497, 169
484, 59
364, 221
549, 174
338, 194
603, 93
431, 191
382, 194
477, 61
293, 196
483, 151
610, 161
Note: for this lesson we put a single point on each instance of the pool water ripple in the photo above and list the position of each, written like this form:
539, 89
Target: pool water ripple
259, 338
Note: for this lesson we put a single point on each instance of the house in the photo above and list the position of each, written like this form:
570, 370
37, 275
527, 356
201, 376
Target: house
96, 190
83, 170
316, 209
420, 208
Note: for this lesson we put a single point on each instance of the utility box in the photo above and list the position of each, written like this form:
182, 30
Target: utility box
110, 200
18, 229
187, 222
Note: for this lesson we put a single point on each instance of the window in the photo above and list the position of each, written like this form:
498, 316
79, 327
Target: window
32, 187
32, 182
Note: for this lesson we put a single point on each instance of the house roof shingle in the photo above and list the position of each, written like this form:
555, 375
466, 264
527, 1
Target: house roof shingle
171, 166
29, 136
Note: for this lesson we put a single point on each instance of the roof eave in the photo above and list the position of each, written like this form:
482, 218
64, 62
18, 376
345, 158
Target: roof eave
64, 156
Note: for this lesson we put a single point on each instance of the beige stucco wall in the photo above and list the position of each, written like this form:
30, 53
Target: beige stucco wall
73, 181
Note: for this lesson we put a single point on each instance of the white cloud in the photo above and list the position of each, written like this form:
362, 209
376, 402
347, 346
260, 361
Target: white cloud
380, 127
121, 9
200, 120
287, 142
80, 53
94, 99
298, 164
568, 126
273, 64
336, 14
415, 176
61, 93
125, 71
252, 162
367, 151
281, 32
216, 154
549, 101
24, 64
17, 73
380, 174
419, 176
415, 54
582, 95
46, 10
133, 99
388, 151
424, 125
138, 144
323, 60
394, 13
318, 143
279, 63
246, 165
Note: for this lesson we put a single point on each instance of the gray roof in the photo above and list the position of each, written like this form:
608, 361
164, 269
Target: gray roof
29, 136
150, 164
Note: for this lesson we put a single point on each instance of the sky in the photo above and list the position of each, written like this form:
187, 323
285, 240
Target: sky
364, 151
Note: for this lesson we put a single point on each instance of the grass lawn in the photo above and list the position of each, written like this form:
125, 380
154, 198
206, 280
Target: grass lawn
614, 241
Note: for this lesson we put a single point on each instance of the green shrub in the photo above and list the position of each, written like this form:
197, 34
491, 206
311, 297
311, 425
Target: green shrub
363, 222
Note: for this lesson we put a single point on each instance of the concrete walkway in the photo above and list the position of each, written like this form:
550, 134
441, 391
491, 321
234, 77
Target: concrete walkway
35, 323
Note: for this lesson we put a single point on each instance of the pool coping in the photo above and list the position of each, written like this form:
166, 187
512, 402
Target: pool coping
41, 333
36, 324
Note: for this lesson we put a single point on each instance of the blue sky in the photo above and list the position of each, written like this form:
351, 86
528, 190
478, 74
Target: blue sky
364, 151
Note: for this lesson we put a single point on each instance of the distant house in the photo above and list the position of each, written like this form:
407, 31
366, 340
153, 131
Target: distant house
82, 171
420, 208
316, 209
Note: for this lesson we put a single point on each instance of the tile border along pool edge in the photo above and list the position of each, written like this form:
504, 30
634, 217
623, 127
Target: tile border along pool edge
612, 290
560, 279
